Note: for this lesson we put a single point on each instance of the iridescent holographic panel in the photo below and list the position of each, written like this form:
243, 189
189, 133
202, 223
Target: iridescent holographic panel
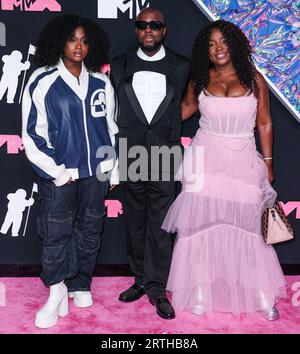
273, 28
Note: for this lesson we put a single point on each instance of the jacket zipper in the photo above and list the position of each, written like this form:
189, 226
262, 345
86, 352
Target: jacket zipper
87, 138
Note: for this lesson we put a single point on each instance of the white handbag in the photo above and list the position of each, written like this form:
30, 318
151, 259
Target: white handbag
276, 226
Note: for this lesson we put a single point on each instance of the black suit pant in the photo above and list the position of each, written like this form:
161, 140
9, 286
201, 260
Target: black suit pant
149, 247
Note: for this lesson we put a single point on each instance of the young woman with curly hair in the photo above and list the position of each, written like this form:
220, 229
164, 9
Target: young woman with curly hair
220, 261
68, 114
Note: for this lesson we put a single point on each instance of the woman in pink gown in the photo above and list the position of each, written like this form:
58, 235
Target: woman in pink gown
220, 261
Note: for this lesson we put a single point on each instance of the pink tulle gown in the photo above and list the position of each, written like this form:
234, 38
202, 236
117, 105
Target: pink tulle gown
220, 262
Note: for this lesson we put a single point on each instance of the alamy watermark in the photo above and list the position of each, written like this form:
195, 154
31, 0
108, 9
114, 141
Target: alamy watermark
2, 35
158, 163
296, 296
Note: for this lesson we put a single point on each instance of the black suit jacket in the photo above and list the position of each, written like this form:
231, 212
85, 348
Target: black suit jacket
165, 127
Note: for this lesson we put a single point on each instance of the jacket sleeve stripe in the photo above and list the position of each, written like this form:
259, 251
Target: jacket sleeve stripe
35, 126
111, 117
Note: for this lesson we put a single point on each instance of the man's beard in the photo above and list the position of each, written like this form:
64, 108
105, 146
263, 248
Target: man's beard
151, 48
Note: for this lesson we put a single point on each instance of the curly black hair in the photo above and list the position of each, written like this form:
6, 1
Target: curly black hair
53, 38
240, 53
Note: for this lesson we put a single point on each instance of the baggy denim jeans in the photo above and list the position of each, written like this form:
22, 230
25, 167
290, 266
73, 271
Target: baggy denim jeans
70, 223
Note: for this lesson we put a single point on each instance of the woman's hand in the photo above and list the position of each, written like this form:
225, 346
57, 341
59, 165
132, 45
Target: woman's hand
70, 181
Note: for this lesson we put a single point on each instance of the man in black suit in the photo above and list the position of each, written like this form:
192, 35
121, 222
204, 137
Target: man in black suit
150, 81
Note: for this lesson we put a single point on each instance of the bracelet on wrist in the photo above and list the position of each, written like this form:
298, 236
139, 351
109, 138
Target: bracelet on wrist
267, 158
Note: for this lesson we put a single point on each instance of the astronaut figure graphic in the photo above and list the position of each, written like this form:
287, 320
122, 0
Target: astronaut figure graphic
16, 205
12, 69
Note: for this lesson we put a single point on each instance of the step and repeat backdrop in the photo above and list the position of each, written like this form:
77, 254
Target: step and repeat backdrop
20, 23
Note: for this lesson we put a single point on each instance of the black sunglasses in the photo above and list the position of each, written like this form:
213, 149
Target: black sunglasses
154, 25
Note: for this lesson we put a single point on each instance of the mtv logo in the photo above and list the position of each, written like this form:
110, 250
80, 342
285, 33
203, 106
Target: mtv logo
114, 208
2, 35
289, 207
185, 141
14, 143
109, 9
31, 5
105, 69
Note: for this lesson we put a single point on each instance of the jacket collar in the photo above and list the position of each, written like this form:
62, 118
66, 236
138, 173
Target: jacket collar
158, 56
78, 85
169, 56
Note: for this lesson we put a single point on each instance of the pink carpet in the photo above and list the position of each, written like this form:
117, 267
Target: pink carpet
24, 296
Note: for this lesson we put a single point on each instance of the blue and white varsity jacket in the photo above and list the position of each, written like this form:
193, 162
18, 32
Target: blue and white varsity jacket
65, 121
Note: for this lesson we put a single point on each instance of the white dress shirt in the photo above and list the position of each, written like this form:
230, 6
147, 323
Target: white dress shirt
149, 86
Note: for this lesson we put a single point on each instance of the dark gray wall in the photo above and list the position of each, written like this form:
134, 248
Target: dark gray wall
184, 21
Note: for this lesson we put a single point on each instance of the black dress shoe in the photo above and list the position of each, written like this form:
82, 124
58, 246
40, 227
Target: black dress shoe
163, 308
132, 294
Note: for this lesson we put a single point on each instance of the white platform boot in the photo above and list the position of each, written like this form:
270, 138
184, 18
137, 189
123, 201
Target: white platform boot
269, 311
198, 307
81, 298
56, 305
